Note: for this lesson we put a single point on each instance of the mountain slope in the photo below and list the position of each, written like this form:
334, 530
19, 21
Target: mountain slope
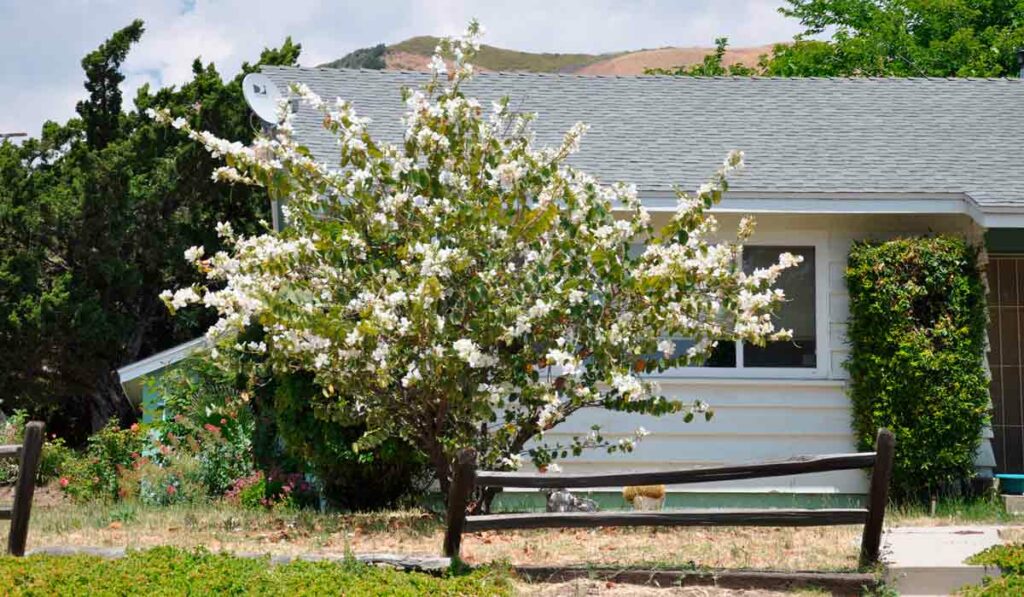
414, 54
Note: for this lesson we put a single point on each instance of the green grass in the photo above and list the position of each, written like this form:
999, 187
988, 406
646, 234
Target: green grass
500, 59
172, 571
983, 510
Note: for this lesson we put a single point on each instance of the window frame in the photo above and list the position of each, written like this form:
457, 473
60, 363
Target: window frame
822, 262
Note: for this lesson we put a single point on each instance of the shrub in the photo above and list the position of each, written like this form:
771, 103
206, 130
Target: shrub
175, 480
202, 408
278, 490
173, 571
97, 474
51, 460
388, 475
473, 288
917, 334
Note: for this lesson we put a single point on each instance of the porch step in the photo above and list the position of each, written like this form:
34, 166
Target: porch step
930, 560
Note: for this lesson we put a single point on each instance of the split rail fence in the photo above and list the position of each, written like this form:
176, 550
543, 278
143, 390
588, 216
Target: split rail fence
466, 478
27, 454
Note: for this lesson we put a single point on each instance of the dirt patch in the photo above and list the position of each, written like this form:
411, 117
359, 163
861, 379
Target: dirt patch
631, 63
45, 496
1012, 534
634, 63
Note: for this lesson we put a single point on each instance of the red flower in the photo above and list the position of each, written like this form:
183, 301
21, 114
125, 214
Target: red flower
64, 481
171, 490
211, 428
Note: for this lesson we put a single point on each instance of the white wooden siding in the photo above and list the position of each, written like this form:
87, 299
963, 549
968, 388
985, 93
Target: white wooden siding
759, 415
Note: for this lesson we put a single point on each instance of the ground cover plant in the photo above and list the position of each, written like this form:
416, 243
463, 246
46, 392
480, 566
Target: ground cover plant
173, 571
465, 288
1009, 561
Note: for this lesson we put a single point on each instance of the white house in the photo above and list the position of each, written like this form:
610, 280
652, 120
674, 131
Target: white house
829, 160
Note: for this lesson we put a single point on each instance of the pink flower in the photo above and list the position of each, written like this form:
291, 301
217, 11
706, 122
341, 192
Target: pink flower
134, 428
171, 490
211, 428
64, 481
223, 421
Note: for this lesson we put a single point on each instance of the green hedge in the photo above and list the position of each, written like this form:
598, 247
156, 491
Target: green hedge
917, 334
172, 571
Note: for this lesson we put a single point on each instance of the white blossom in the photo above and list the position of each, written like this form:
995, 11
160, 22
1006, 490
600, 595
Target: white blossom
467, 259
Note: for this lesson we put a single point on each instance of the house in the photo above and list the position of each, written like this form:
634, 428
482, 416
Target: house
136, 376
829, 161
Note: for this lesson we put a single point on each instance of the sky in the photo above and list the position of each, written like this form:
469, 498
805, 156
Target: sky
42, 41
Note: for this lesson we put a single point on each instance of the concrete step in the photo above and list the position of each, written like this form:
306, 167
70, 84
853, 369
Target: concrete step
930, 560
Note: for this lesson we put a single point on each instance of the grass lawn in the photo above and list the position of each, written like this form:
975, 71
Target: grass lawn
220, 527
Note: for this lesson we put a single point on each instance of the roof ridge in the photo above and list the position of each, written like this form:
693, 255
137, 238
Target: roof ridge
657, 76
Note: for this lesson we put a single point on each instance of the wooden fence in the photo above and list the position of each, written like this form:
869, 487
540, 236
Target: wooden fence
466, 478
25, 487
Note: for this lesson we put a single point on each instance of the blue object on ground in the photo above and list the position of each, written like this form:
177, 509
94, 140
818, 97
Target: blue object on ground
1011, 484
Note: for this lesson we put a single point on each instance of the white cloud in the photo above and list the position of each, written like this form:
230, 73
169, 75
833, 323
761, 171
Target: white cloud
42, 42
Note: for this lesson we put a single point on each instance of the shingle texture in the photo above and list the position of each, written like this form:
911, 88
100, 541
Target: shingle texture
800, 135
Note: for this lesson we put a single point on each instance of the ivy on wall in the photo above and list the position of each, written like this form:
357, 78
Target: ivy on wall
917, 333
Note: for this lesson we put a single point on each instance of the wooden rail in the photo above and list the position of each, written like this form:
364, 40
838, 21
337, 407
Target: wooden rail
465, 478
24, 487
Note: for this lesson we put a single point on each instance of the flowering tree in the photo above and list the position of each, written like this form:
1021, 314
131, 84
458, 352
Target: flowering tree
466, 288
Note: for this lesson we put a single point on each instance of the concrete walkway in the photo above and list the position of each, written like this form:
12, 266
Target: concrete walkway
930, 560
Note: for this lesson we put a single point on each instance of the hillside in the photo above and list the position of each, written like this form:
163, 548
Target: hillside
414, 54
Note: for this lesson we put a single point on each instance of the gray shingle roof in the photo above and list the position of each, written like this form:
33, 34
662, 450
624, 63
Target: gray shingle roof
810, 135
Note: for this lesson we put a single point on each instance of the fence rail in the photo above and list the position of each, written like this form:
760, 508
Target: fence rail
465, 478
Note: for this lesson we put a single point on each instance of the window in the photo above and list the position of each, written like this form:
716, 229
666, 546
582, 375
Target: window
796, 313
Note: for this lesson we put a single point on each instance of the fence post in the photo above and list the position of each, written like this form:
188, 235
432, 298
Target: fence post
463, 480
878, 498
25, 488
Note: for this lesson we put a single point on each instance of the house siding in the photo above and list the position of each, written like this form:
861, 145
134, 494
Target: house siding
758, 417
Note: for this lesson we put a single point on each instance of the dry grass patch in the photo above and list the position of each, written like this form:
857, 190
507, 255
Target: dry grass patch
222, 527
1012, 534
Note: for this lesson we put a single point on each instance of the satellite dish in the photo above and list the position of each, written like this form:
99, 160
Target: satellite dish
262, 96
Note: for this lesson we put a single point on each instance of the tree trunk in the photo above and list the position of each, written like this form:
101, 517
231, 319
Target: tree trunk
108, 401
442, 469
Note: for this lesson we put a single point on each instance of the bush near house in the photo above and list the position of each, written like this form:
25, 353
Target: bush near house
917, 334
